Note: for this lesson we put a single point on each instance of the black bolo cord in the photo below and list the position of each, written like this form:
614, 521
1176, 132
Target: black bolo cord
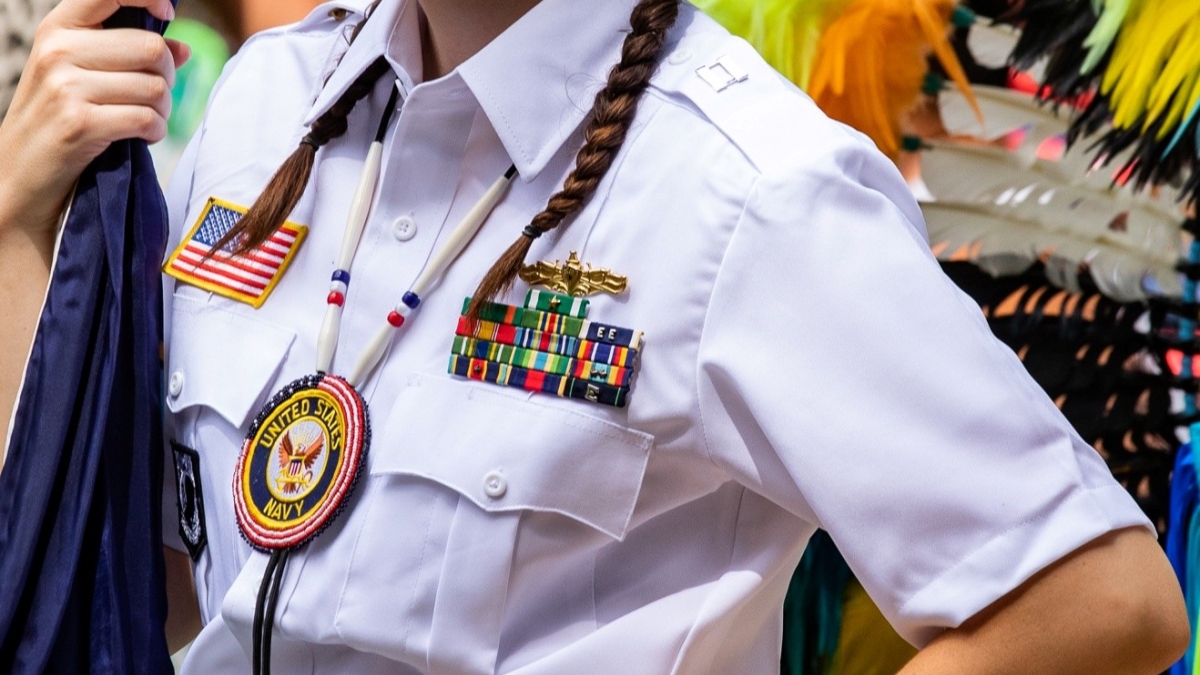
259, 607
272, 600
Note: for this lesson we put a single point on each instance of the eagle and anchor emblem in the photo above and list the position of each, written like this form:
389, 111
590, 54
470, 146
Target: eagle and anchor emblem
300, 462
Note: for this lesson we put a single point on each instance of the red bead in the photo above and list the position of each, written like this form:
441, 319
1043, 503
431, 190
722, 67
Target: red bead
335, 298
396, 319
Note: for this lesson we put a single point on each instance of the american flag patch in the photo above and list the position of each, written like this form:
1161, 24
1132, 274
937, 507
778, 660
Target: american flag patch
246, 278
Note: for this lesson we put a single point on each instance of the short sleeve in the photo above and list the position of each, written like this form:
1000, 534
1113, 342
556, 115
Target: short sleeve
843, 376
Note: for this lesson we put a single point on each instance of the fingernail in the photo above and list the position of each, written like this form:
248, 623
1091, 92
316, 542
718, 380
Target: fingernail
170, 11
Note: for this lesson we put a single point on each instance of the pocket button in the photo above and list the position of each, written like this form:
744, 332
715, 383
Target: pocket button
175, 384
495, 484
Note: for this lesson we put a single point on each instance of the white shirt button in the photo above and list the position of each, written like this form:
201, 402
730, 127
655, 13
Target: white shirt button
175, 384
495, 484
404, 228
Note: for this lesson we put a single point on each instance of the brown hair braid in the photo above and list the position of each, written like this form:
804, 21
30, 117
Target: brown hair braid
285, 188
611, 116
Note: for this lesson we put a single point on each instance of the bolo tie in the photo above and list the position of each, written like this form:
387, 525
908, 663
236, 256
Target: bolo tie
305, 449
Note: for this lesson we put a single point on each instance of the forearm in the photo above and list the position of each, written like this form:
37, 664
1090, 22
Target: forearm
183, 615
1113, 607
25, 258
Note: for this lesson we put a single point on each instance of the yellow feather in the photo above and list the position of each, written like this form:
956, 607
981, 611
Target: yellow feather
1144, 47
1173, 116
1178, 77
785, 32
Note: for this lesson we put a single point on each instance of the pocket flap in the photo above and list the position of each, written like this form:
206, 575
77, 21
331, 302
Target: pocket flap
506, 453
221, 359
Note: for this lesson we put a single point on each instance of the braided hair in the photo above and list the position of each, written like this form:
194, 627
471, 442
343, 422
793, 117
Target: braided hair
276, 202
611, 116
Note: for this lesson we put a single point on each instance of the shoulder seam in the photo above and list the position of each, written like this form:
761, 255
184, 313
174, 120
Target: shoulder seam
671, 99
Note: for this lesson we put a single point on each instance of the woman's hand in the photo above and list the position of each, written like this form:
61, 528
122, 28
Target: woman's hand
81, 89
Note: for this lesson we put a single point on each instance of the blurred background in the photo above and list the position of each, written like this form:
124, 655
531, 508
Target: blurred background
1053, 148
213, 28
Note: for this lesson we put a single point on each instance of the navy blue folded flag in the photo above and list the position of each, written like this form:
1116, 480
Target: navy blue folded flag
81, 570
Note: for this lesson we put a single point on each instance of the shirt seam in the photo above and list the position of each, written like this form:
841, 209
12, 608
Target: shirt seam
704, 323
733, 544
668, 97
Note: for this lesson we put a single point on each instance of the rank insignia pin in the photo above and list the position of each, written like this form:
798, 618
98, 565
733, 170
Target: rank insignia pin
550, 345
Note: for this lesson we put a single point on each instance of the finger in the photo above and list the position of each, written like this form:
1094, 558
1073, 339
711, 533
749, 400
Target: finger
118, 122
118, 50
180, 52
138, 89
91, 13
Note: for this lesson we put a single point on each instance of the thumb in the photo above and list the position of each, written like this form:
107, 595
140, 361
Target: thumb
180, 51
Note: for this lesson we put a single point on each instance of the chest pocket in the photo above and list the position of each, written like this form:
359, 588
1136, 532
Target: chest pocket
220, 367
459, 474
221, 359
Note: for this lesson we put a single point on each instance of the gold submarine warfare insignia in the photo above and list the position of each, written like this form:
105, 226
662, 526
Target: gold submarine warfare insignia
573, 277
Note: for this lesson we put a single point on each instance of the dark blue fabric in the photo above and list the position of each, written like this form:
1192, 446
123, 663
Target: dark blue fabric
1185, 491
81, 570
1185, 494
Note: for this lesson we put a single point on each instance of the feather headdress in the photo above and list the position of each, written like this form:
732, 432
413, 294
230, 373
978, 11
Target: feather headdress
862, 61
1142, 60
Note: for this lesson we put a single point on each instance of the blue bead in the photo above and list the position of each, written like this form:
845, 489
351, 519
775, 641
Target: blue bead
411, 300
342, 276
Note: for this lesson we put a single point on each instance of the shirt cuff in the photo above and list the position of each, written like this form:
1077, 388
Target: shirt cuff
1013, 557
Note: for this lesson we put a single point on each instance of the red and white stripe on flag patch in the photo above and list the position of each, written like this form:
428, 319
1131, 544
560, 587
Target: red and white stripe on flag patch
248, 278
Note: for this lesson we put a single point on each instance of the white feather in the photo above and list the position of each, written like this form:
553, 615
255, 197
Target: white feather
1002, 246
1004, 110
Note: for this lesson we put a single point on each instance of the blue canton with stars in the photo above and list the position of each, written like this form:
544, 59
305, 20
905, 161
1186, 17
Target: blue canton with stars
218, 221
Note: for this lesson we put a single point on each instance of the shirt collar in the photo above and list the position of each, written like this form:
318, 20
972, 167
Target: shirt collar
535, 81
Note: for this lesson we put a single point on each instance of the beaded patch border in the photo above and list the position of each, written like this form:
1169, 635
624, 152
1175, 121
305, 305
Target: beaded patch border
251, 522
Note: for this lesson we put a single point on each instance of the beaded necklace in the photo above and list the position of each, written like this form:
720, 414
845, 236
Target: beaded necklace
304, 451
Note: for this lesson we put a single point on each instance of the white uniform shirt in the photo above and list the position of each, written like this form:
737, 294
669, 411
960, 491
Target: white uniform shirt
806, 365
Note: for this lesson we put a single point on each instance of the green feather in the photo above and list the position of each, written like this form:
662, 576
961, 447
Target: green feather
1100, 40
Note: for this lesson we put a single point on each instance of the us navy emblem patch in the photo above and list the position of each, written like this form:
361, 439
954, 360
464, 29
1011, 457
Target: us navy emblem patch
189, 496
300, 462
